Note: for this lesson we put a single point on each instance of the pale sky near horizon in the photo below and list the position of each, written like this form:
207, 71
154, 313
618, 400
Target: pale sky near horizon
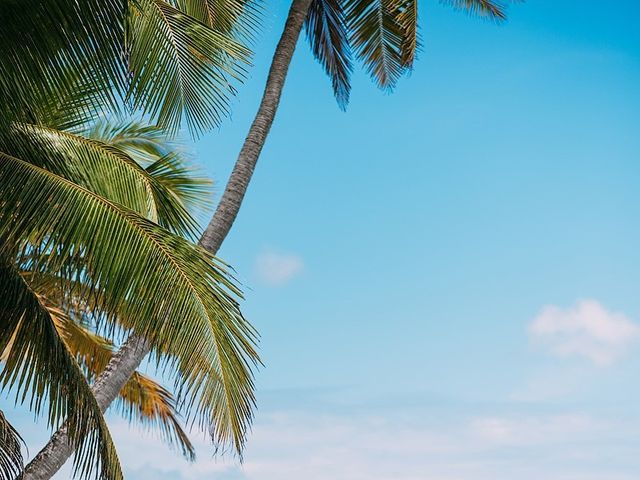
446, 278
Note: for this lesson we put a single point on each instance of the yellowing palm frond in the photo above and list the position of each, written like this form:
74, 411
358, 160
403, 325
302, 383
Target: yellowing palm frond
40, 369
141, 399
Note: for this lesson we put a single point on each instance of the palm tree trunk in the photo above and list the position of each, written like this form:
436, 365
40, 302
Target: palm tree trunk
229, 205
57, 451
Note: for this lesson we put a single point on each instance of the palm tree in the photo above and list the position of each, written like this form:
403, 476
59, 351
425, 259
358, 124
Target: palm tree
382, 34
79, 209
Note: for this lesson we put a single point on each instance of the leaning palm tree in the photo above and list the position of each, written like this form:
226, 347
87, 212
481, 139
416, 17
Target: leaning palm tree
382, 34
84, 212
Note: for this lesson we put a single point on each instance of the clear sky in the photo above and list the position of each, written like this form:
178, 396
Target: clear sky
445, 278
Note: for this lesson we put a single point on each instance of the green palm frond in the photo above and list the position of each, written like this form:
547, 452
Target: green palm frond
179, 191
181, 67
176, 294
11, 461
38, 41
329, 39
241, 18
164, 159
492, 9
377, 39
143, 142
164, 192
39, 368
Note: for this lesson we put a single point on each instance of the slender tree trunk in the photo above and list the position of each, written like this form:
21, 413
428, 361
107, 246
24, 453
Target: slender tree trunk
57, 451
229, 205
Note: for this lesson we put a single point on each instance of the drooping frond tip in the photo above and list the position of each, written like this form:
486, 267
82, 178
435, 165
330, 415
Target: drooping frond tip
34, 345
491, 9
11, 460
328, 36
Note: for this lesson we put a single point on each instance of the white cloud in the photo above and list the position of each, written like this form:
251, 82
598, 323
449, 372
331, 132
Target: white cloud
276, 269
585, 330
410, 446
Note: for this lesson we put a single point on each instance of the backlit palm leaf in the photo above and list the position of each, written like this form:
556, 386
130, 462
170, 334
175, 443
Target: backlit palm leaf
149, 403
377, 39
164, 192
181, 67
238, 17
176, 294
329, 39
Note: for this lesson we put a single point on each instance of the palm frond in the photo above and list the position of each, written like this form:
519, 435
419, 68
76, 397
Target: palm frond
329, 39
181, 67
39, 368
11, 461
239, 18
377, 39
141, 399
492, 9
163, 192
149, 403
407, 18
143, 142
176, 294
164, 159
39, 40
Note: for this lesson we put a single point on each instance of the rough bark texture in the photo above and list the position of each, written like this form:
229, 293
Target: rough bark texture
58, 450
229, 205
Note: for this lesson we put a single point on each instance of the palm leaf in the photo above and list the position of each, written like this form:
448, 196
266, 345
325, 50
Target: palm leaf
176, 294
377, 39
327, 34
40, 369
239, 18
492, 9
141, 399
149, 403
180, 66
407, 18
11, 460
38, 41
163, 192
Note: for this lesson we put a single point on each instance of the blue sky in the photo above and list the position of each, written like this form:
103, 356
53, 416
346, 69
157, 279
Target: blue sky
445, 278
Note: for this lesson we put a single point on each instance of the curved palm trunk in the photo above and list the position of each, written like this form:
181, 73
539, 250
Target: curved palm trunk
229, 205
57, 451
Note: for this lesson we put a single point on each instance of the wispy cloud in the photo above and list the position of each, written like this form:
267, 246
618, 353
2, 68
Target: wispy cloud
276, 269
413, 446
586, 330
